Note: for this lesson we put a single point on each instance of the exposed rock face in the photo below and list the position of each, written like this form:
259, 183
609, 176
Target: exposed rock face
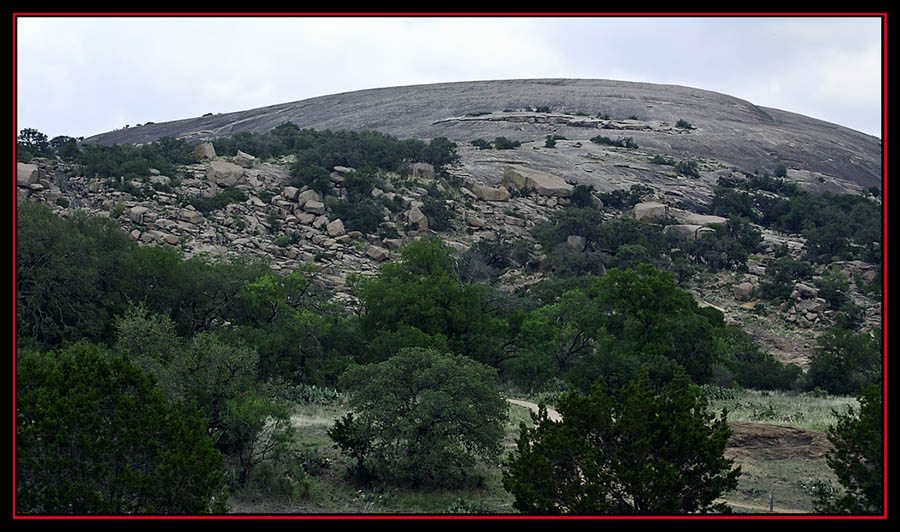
422, 170
224, 174
377, 253
490, 193
335, 228
244, 160
650, 211
743, 291
26, 174
727, 129
541, 182
205, 150
417, 219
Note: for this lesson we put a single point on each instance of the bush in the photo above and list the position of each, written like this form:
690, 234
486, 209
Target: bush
424, 418
647, 451
846, 362
481, 144
94, 435
683, 124
503, 143
627, 142
219, 201
857, 458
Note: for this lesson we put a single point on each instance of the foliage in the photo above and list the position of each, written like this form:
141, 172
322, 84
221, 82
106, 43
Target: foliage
846, 361
625, 199
857, 458
728, 248
219, 201
503, 143
683, 124
627, 142
66, 270
424, 417
688, 168
95, 436
649, 451
781, 276
420, 302
482, 144
582, 196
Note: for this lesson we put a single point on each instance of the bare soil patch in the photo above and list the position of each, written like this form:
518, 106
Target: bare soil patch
773, 442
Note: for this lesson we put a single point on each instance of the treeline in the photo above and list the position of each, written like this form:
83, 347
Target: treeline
836, 226
316, 149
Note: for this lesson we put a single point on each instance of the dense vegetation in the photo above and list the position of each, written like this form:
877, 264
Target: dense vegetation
211, 353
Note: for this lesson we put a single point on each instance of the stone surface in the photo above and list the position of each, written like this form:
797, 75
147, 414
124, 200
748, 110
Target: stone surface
205, 150
743, 291
224, 174
650, 211
244, 160
377, 253
417, 219
335, 228
26, 174
543, 183
726, 128
490, 193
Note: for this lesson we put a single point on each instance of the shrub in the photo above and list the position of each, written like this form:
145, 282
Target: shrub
647, 451
857, 458
503, 143
94, 435
683, 124
424, 418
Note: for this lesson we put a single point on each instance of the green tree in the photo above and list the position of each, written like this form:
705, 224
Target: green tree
857, 458
846, 361
94, 435
646, 451
421, 298
423, 418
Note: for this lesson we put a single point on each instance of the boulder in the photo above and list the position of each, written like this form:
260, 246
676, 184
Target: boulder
543, 183
650, 211
743, 291
417, 218
343, 170
422, 170
26, 174
335, 228
806, 291
683, 231
377, 253
491, 194
205, 151
315, 207
224, 174
308, 195
811, 305
190, 216
137, 214
244, 160
291, 193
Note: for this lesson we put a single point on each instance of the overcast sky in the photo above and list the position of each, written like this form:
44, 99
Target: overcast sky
79, 76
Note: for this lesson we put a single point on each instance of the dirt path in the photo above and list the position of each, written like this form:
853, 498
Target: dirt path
552, 414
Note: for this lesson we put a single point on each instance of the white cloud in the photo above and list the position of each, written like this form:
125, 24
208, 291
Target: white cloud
78, 75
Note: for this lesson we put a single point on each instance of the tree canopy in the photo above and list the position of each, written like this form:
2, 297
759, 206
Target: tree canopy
650, 450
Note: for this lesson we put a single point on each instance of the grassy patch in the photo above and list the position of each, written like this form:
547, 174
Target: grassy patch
790, 483
801, 410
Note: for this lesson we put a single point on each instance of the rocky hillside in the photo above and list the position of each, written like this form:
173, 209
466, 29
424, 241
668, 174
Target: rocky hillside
726, 131
290, 227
